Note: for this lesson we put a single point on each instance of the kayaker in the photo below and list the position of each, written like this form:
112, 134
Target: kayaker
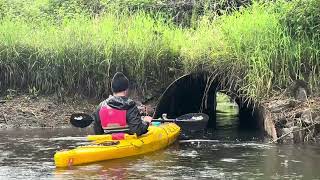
120, 112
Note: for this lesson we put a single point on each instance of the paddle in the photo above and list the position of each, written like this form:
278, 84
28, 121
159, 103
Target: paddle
196, 121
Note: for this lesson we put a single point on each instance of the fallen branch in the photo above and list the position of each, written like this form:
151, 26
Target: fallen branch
275, 140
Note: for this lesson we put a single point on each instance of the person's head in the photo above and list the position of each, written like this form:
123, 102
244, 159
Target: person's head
120, 84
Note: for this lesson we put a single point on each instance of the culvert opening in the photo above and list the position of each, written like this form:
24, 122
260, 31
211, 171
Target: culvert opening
227, 112
193, 93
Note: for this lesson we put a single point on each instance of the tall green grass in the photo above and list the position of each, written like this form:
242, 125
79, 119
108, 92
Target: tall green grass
82, 53
251, 47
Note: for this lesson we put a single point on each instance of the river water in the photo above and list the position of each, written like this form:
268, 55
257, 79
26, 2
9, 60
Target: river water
221, 154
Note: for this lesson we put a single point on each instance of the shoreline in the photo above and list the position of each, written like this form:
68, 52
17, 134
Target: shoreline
286, 120
289, 120
24, 111
47, 111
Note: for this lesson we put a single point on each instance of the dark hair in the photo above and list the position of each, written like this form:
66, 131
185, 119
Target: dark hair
119, 82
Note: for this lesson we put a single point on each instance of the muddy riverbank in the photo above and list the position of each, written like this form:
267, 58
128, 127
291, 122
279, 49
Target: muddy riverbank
24, 111
51, 111
292, 120
286, 120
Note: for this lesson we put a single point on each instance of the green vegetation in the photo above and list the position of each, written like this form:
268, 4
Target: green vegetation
226, 105
227, 111
75, 46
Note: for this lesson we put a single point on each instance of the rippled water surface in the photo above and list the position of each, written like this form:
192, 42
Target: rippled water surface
226, 154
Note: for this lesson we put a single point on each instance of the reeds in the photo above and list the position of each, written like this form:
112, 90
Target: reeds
79, 53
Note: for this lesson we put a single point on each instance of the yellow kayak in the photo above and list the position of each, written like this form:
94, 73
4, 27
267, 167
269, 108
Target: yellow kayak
104, 148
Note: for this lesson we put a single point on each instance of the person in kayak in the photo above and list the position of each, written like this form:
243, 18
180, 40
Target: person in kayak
118, 112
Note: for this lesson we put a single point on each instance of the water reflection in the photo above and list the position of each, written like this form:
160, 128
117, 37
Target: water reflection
28, 154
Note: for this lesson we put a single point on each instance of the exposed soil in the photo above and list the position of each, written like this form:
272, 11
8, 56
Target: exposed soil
43, 111
22, 111
286, 119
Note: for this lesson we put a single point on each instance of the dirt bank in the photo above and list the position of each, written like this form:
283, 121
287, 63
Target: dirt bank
22, 111
43, 111
286, 119
290, 120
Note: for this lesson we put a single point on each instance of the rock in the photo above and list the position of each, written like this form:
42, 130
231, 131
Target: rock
300, 90
301, 94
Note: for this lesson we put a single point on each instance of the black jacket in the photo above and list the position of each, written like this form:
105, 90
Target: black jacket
136, 125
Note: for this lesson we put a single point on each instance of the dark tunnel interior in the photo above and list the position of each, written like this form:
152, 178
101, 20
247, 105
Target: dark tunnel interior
185, 95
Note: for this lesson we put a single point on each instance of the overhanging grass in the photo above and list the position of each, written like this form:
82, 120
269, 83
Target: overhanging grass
82, 53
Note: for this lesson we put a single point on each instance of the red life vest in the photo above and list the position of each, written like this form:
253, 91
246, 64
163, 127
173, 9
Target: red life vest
113, 120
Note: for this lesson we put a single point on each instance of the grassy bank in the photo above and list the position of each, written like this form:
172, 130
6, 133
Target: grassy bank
75, 51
